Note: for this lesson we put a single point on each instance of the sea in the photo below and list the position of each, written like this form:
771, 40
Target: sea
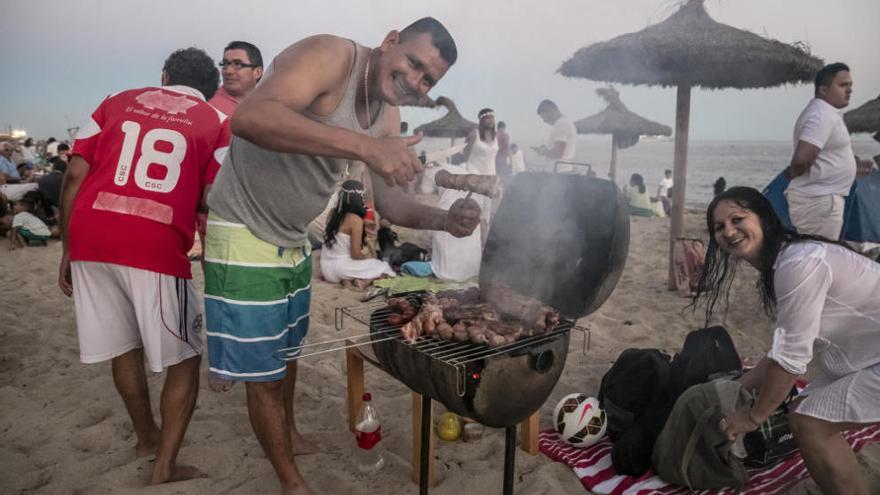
741, 163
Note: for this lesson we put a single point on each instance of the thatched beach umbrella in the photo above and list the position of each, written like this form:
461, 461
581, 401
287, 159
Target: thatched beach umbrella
691, 49
451, 125
866, 118
624, 126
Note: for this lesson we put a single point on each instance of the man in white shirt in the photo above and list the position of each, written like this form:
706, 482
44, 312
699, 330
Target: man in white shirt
663, 190
823, 166
561, 143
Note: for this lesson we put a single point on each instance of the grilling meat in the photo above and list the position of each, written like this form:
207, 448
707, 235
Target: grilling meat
482, 311
459, 315
515, 306
487, 185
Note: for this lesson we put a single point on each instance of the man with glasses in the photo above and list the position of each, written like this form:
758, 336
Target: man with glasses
241, 69
327, 100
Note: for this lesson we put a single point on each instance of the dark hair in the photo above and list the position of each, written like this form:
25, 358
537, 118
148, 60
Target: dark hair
501, 125
719, 186
27, 203
667, 171
440, 37
50, 140
28, 141
351, 200
638, 180
253, 53
546, 106
194, 68
63, 147
719, 269
58, 164
482, 113
826, 74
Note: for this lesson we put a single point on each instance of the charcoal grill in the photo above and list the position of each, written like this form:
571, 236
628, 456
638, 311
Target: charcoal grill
496, 386
561, 239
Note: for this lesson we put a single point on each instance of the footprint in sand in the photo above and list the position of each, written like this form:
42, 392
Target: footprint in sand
91, 416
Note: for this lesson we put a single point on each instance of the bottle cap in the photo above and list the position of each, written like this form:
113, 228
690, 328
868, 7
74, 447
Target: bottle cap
367, 397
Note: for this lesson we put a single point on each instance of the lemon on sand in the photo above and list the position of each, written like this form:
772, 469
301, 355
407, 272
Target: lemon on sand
449, 427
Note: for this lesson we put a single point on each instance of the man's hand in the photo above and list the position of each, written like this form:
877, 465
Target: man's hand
392, 159
463, 217
65, 280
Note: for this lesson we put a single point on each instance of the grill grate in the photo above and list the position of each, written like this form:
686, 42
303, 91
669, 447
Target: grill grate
451, 353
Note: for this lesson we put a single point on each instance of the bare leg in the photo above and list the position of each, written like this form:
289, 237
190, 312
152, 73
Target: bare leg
299, 444
178, 401
266, 410
829, 459
131, 383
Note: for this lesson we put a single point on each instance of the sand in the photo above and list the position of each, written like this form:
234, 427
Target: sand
63, 428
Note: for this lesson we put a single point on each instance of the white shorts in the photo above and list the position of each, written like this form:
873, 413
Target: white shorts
120, 308
816, 215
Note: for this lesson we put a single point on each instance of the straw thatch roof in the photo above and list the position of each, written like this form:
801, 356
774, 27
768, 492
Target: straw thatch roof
866, 118
452, 125
691, 48
618, 120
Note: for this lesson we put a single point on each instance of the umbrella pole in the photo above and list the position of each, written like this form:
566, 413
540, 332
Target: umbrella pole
612, 170
679, 175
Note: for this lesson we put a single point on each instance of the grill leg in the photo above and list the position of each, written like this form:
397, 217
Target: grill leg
425, 457
509, 458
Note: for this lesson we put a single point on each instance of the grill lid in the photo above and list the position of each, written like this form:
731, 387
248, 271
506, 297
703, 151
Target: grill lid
560, 238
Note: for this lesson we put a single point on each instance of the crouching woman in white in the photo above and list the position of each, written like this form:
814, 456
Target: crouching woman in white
824, 300
343, 258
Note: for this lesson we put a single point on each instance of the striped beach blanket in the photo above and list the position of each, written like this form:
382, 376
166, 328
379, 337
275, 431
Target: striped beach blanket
593, 467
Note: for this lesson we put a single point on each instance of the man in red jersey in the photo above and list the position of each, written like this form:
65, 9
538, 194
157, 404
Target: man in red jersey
139, 173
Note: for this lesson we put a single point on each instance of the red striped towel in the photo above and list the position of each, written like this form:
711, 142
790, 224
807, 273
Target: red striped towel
593, 467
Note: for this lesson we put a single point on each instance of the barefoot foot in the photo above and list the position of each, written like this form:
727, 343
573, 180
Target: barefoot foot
147, 447
218, 384
300, 445
175, 473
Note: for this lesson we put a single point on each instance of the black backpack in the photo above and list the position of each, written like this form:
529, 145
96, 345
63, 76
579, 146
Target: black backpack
639, 390
634, 396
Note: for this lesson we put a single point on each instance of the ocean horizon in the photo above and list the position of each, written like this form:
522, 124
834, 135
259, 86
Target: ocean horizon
751, 163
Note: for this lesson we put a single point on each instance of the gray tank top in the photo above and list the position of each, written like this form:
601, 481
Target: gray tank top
276, 195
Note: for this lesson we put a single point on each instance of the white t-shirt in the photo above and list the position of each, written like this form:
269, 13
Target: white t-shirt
563, 130
665, 184
517, 162
52, 149
821, 125
455, 258
30, 222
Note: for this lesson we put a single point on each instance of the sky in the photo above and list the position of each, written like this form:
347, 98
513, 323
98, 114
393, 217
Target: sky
62, 58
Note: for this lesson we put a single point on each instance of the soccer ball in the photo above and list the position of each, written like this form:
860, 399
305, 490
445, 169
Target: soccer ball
579, 420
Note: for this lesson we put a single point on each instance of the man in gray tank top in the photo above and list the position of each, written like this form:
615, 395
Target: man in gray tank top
323, 101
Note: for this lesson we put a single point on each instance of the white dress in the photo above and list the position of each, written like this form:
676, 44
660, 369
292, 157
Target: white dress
482, 161
455, 258
828, 312
338, 265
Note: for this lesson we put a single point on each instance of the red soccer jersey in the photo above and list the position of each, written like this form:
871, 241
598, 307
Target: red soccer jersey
152, 151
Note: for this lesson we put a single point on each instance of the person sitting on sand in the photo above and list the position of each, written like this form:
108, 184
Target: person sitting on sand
822, 297
26, 227
638, 198
343, 258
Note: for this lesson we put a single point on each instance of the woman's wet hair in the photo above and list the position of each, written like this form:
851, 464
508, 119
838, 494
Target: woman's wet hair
350, 200
719, 267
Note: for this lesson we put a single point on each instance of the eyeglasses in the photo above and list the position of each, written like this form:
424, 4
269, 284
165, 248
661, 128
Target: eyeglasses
235, 64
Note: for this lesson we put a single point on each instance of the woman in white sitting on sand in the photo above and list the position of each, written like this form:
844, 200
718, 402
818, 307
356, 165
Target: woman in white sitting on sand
343, 258
823, 299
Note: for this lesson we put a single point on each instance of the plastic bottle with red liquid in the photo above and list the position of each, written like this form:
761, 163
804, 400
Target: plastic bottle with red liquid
368, 433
